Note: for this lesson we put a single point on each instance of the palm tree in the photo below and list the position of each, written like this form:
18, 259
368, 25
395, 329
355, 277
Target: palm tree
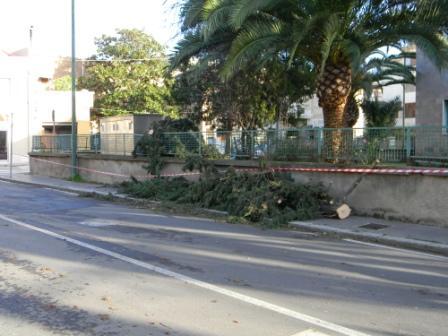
378, 71
334, 36
204, 48
381, 114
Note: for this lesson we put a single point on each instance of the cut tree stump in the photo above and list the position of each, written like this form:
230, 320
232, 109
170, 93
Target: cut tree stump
341, 211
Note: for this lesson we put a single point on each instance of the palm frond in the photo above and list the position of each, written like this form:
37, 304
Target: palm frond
216, 14
245, 8
191, 13
330, 34
254, 38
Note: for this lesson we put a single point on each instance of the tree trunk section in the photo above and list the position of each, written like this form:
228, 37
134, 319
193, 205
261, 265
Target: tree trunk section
333, 90
351, 113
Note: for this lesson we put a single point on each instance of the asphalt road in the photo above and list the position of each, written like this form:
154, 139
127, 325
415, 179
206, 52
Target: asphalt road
76, 266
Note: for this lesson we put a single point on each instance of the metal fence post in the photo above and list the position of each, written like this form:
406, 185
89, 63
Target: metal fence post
229, 134
124, 144
408, 143
319, 143
199, 143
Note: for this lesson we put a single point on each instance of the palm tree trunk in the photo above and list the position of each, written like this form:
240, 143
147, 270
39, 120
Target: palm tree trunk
333, 90
351, 114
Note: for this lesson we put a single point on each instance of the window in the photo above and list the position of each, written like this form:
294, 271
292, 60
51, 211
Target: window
410, 110
3, 145
130, 125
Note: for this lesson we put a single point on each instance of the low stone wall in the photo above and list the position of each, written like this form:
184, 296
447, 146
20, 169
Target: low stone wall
413, 198
410, 198
103, 169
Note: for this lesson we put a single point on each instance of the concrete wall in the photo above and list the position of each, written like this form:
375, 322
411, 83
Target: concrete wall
103, 169
418, 199
52, 165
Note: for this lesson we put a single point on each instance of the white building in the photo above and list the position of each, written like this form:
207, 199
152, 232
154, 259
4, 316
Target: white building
314, 115
407, 93
27, 102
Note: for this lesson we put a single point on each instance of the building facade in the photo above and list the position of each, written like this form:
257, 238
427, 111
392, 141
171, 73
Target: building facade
432, 93
120, 134
29, 106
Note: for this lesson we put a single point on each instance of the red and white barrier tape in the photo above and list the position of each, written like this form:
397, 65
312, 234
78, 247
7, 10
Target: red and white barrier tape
384, 171
381, 171
149, 176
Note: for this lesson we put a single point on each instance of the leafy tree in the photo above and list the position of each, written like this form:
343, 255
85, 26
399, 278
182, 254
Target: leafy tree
63, 83
128, 74
380, 113
252, 99
257, 95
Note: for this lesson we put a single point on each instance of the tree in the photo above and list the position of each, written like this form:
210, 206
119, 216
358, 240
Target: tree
252, 99
334, 36
63, 83
258, 95
378, 71
128, 74
381, 114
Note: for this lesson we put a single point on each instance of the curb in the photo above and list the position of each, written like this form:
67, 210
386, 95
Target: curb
41, 185
98, 192
375, 237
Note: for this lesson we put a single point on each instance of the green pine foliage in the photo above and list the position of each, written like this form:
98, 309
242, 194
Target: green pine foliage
266, 198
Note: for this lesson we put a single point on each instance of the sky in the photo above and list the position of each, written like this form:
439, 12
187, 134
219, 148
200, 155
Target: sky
52, 25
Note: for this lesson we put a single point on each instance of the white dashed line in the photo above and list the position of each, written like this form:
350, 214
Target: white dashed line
198, 283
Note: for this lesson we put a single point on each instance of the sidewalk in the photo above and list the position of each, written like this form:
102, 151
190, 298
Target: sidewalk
408, 235
414, 236
19, 176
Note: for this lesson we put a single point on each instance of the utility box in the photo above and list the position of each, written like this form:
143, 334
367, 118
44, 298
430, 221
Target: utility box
120, 134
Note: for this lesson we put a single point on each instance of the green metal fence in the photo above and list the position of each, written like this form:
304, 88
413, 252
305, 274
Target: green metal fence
360, 146
62, 143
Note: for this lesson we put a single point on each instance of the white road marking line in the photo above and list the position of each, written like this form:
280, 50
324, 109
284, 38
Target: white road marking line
310, 332
63, 192
198, 283
408, 251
